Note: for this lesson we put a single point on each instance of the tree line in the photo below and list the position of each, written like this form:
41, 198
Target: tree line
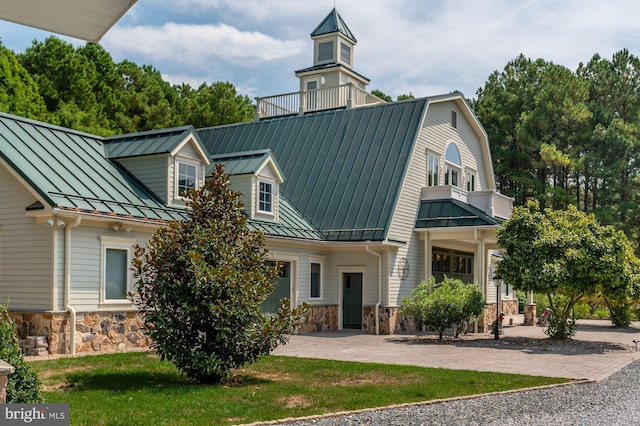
84, 89
557, 136
564, 137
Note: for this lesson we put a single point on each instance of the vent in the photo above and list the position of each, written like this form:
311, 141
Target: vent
325, 51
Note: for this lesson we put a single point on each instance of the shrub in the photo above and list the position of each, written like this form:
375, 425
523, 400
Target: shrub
601, 312
200, 283
581, 310
443, 305
23, 386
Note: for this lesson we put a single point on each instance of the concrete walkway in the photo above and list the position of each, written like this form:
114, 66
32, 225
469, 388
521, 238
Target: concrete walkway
398, 349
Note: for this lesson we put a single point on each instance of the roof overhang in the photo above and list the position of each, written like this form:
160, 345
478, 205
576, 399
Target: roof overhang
83, 19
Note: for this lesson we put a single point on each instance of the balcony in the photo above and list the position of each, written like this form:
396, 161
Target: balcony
344, 96
490, 202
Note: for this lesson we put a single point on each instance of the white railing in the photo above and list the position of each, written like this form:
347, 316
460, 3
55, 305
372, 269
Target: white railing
491, 202
346, 95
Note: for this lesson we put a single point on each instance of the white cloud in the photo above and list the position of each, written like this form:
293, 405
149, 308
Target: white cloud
189, 43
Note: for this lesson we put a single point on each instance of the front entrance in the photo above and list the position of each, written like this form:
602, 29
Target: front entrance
281, 290
352, 300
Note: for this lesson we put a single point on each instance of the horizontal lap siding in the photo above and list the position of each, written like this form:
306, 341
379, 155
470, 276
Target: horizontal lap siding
85, 265
152, 171
25, 250
435, 135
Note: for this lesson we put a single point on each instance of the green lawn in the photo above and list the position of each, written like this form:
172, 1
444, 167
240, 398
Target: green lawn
138, 389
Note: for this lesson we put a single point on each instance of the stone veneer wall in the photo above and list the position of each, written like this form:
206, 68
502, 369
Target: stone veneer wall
320, 318
392, 322
95, 331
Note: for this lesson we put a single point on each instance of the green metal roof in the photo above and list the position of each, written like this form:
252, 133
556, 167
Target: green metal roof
146, 143
451, 213
291, 224
243, 163
70, 171
344, 168
333, 23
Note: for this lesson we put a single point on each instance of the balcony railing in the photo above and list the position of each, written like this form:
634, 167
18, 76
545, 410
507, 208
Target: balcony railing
346, 95
491, 202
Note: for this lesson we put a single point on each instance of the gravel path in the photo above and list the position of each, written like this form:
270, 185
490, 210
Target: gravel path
613, 401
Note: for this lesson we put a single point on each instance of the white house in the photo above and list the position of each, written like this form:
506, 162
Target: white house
360, 200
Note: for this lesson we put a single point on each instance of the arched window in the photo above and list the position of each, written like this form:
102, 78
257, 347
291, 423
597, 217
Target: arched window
453, 166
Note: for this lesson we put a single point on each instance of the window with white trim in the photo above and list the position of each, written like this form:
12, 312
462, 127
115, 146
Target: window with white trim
471, 180
453, 166
265, 197
116, 278
187, 177
315, 280
433, 170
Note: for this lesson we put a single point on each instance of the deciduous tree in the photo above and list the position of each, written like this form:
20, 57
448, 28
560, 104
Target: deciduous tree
200, 283
566, 253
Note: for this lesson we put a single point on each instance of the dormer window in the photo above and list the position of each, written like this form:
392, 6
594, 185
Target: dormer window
265, 193
187, 177
325, 51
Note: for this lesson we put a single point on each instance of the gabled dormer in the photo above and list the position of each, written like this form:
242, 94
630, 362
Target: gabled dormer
257, 175
169, 162
333, 53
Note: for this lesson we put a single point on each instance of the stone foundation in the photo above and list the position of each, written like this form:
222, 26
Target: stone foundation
50, 333
530, 314
391, 322
510, 306
320, 318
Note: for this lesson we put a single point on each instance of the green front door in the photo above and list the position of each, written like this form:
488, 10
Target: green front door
281, 290
352, 300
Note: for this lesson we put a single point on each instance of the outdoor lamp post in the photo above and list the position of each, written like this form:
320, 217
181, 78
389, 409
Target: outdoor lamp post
497, 280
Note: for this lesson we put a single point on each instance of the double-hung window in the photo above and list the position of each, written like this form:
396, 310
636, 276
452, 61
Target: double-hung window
433, 170
315, 278
115, 276
187, 177
471, 180
265, 197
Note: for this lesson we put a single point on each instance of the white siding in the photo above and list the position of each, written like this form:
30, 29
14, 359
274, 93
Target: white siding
25, 250
189, 151
435, 134
243, 184
152, 171
85, 266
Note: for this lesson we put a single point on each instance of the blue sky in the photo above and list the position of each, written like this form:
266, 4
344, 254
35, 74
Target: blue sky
423, 47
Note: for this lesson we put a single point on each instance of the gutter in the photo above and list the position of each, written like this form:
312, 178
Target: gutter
379, 302
67, 281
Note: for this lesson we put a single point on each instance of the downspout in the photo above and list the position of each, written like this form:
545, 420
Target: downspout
67, 282
377, 314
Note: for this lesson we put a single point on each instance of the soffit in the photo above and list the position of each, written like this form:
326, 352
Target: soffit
83, 19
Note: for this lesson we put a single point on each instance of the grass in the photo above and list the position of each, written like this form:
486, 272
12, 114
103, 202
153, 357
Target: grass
138, 389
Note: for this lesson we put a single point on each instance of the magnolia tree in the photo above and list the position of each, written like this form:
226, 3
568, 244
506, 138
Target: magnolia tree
567, 255
443, 305
200, 283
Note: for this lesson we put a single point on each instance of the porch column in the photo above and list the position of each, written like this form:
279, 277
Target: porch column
482, 262
427, 256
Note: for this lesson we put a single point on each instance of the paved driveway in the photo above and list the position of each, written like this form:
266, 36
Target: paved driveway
500, 357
